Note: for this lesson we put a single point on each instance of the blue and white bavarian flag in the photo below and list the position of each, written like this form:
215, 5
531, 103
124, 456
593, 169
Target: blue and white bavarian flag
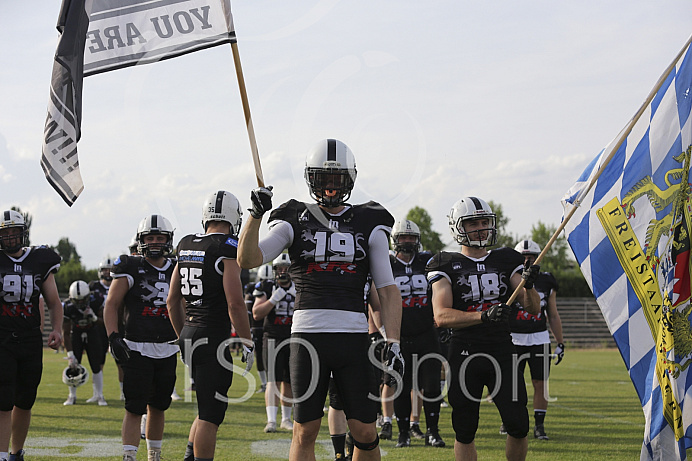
102, 35
631, 238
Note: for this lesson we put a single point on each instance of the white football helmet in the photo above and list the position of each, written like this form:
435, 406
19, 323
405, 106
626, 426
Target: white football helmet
133, 246
468, 209
155, 225
528, 247
405, 227
105, 267
222, 206
330, 171
282, 261
265, 272
79, 293
75, 376
12, 244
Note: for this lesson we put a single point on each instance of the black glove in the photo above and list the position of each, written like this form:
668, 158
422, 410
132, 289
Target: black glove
248, 358
394, 361
261, 199
119, 348
377, 342
530, 274
496, 313
445, 335
559, 353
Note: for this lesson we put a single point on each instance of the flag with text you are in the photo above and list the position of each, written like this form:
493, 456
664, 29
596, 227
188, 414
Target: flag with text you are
631, 237
102, 35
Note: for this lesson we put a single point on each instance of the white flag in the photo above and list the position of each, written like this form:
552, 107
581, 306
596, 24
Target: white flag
102, 35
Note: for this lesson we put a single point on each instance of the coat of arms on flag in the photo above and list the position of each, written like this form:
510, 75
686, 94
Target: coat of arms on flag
631, 238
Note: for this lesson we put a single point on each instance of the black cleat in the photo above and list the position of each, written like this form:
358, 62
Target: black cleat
386, 432
433, 438
17, 456
415, 432
404, 440
539, 432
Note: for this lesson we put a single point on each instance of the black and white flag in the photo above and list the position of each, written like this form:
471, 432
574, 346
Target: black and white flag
102, 35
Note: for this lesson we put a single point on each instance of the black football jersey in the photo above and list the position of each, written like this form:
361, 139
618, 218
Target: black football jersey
277, 323
523, 322
95, 286
145, 302
417, 313
21, 280
200, 263
80, 320
477, 284
330, 265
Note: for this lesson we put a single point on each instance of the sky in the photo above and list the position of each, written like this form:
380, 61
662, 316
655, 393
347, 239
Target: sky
438, 100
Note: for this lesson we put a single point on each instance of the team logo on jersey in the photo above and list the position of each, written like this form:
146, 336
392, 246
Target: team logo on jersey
232, 242
480, 267
17, 267
342, 268
455, 266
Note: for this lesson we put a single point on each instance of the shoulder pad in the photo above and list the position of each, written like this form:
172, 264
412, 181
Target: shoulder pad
379, 214
287, 211
124, 263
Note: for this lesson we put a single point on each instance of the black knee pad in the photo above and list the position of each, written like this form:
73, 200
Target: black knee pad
367, 446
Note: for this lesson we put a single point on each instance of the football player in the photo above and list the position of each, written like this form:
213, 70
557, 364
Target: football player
418, 334
141, 285
469, 292
26, 272
332, 245
101, 287
264, 272
81, 332
206, 297
274, 303
531, 337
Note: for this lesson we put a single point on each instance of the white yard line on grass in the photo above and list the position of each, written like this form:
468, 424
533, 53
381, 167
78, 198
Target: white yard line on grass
73, 447
278, 449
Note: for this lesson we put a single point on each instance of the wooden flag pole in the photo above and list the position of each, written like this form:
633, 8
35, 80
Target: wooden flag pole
248, 118
618, 143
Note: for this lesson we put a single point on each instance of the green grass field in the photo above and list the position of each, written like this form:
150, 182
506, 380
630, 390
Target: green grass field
596, 417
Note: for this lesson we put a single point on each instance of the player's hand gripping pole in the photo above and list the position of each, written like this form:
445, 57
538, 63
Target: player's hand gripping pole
248, 118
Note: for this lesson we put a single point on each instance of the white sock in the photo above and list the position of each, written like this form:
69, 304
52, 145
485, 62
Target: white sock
73, 392
127, 448
263, 377
121, 387
286, 412
97, 383
271, 414
154, 444
387, 419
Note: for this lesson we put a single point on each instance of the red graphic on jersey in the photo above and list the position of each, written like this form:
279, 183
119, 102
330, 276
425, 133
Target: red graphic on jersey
341, 267
14, 310
523, 315
479, 307
283, 320
414, 301
150, 311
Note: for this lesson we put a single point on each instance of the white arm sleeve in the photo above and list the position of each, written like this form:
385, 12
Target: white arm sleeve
380, 269
280, 236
